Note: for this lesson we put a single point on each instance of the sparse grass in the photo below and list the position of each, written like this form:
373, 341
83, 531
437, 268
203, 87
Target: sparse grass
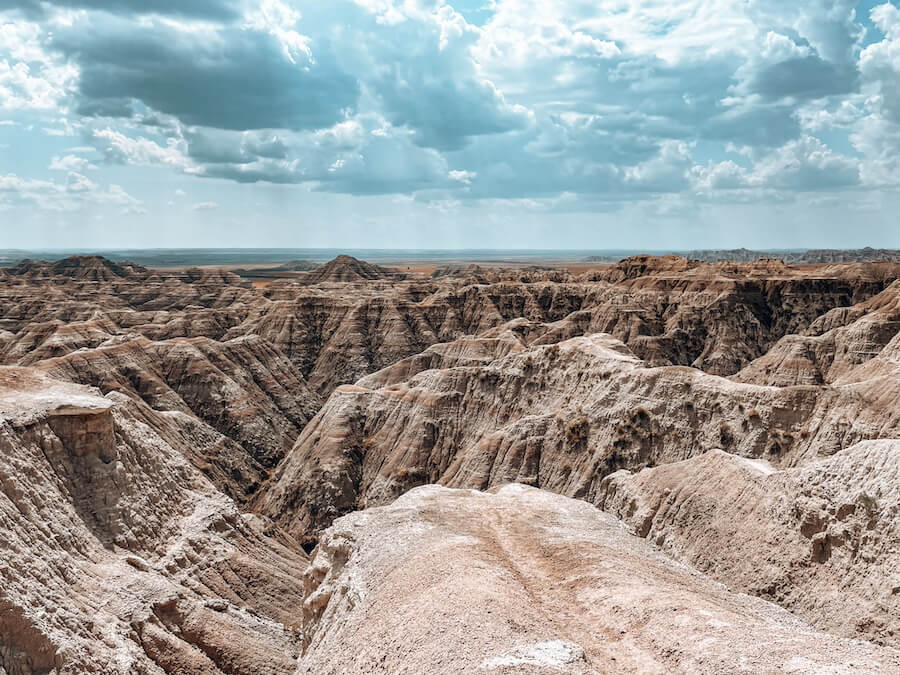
869, 503
410, 474
726, 436
577, 432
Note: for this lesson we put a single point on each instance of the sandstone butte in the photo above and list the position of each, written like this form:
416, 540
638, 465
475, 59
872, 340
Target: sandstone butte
662, 465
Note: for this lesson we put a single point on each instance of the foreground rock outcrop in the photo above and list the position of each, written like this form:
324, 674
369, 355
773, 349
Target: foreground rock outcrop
523, 581
118, 556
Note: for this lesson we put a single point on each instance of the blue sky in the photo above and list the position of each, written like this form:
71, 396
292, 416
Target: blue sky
428, 124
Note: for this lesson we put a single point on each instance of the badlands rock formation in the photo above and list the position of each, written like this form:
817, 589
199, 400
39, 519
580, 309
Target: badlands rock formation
118, 556
177, 444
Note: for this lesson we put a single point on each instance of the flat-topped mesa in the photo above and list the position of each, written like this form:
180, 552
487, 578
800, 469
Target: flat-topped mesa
212, 277
28, 396
74, 422
86, 432
643, 265
810, 257
346, 268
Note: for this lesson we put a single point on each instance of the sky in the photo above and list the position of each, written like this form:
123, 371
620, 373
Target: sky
604, 124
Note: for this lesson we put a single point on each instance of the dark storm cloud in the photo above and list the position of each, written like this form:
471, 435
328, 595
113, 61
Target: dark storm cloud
804, 78
227, 78
754, 125
210, 9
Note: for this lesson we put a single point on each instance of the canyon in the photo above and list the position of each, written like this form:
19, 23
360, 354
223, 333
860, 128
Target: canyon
657, 465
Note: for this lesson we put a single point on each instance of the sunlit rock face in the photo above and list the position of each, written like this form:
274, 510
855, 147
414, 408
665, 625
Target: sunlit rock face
522, 580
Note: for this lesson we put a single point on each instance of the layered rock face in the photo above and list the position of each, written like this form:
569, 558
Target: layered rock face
175, 445
558, 416
357, 318
345, 268
507, 407
118, 556
241, 395
833, 345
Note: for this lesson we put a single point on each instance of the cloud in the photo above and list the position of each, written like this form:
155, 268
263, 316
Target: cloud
205, 206
211, 9
601, 102
118, 148
71, 163
880, 62
76, 192
424, 78
205, 75
30, 79
803, 165
667, 172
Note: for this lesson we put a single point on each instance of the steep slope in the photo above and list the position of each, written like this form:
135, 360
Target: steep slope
718, 318
832, 346
557, 416
121, 504
83, 268
358, 319
245, 392
118, 556
522, 581
821, 540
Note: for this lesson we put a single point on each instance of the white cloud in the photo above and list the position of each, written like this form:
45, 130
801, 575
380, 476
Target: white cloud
117, 147
667, 172
803, 165
71, 163
30, 78
205, 206
603, 102
75, 193
464, 177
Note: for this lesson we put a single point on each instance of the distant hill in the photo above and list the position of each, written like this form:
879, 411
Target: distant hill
86, 268
347, 268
